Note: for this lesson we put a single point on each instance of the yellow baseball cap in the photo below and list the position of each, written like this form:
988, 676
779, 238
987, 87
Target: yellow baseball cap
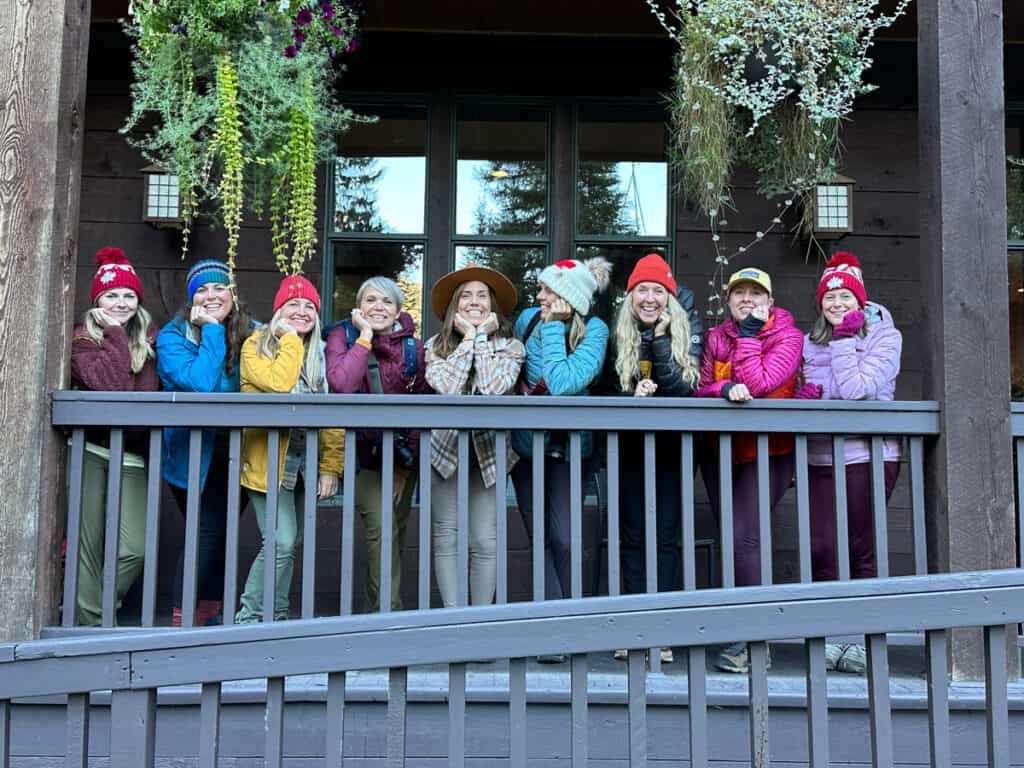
750, 275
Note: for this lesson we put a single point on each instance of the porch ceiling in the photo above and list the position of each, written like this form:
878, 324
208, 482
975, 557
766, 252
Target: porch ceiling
548, 17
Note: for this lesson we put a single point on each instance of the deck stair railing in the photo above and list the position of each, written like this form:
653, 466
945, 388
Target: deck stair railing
134, 667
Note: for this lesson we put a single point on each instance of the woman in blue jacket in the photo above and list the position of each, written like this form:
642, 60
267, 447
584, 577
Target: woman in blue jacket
564, 354
198, 351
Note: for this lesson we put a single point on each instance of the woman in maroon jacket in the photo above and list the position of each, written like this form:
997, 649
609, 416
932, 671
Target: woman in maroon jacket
112, 350
377, 352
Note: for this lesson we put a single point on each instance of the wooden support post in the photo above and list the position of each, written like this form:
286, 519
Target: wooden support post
42, 113
964, 295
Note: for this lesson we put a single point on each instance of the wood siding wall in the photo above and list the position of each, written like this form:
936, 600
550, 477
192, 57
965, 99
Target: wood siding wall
881, 154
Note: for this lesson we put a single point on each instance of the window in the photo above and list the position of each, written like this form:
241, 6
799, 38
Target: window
531, 182
1015, 257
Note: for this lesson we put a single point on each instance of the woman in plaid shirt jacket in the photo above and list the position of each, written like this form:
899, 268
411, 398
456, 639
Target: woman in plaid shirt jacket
475, 353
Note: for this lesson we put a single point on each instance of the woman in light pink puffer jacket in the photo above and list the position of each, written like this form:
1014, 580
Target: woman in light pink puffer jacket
853, 353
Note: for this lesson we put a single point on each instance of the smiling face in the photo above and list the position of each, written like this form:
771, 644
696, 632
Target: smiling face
745, 297
474, 300
120, 304
215, 299
835, 304
300, 314
648, 302
545, 297
379, 309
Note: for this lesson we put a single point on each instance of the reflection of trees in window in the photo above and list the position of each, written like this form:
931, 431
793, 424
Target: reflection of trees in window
513, 199
355, 195
603, 208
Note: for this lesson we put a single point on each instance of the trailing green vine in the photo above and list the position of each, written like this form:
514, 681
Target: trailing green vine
227, 145
238, 98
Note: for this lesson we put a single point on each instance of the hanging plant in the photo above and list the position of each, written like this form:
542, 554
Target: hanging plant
238, 98
766, 83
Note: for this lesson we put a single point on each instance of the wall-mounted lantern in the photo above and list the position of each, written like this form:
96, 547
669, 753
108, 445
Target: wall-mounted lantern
833, 208
161, 198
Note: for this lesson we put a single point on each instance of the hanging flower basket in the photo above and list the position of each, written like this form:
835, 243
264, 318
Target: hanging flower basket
238, 98
766, 83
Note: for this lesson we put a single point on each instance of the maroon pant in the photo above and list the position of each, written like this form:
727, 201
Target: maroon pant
746, 535
858, 517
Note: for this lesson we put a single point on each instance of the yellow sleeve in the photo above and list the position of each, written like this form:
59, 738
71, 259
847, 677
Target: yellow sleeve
332, 451
260, 374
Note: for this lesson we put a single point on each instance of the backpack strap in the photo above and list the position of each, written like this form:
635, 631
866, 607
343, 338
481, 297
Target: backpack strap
409, 352
531, 326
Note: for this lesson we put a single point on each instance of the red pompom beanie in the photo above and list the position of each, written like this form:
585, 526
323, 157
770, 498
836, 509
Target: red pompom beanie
296, 287
114, 271
652, 269
843, 271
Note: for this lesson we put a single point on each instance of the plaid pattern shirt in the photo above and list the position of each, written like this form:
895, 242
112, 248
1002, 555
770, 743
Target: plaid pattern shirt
478, 366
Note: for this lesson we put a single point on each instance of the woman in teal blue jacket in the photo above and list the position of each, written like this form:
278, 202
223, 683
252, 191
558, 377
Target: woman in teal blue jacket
198, 351
564, 355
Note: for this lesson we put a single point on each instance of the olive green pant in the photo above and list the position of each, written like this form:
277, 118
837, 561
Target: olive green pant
131, 541
290, 511
367, 503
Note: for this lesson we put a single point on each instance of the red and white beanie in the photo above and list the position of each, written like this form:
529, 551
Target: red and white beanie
843, 271
114, 271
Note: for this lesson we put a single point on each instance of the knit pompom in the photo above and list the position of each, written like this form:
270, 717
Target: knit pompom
110, 255
843, 257
601, 270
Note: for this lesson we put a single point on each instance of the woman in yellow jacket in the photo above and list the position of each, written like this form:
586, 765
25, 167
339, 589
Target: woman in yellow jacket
285, 356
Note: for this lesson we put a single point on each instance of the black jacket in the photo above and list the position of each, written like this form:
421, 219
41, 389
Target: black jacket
664, 370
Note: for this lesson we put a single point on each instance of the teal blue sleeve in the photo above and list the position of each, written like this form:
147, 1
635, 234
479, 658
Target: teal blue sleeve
184, 367
571, 374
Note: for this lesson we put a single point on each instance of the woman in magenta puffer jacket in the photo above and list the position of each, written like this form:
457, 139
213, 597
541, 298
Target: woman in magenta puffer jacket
755, 353
377, 352
852, 353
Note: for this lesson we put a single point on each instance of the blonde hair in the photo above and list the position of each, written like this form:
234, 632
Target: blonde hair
627, 343
268, 346
140, 346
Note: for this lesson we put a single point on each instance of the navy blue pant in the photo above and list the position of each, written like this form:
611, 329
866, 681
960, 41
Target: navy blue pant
213, 505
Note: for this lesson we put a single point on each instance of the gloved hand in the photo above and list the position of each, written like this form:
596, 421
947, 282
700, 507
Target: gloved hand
850, 324
750, 326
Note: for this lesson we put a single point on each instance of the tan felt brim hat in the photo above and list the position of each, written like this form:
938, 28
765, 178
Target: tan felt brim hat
443, 290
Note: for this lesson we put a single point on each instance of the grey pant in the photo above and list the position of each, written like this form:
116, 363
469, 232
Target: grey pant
131, 542
483, 537
290, 505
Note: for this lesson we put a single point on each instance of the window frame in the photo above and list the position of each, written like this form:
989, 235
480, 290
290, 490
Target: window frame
562, 168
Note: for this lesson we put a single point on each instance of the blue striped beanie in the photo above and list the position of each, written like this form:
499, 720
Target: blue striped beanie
207, 271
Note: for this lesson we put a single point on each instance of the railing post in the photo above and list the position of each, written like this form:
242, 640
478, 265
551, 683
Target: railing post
963, 284
133, 715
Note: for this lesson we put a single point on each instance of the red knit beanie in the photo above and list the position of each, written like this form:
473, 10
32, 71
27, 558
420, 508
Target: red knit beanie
652, 269
843, 271
296, 287
114, 271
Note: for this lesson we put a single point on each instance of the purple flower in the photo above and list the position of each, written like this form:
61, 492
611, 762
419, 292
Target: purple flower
291, 51
299, 35
304, 17
352, 46
338, 30
327, 10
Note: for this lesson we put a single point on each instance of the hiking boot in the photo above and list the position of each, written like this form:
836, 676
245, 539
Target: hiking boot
736, 659
854, 659
833, 652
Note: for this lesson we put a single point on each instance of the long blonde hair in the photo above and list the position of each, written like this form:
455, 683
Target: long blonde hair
140, 346
268, 346
627, 343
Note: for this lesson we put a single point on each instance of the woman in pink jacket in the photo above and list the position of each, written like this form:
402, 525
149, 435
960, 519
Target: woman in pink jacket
755, 353
852, 353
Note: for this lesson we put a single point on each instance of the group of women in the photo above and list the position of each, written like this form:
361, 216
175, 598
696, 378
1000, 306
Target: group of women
657, 348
